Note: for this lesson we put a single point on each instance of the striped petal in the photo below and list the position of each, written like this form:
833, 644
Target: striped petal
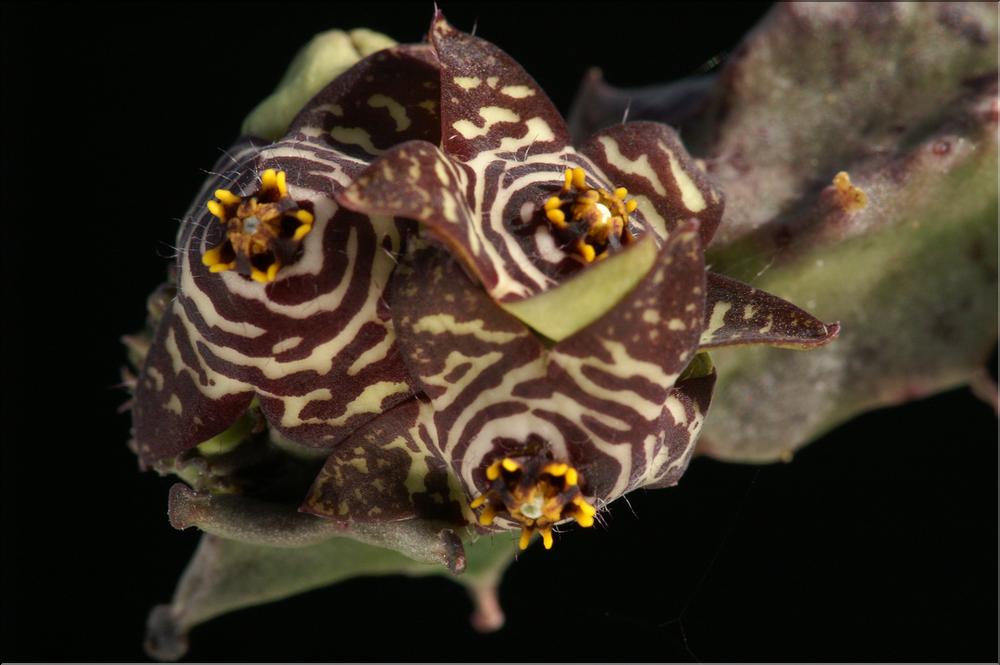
737, 314
386, 472
388, 98
179, 401
650, 161
680, 423
489, 103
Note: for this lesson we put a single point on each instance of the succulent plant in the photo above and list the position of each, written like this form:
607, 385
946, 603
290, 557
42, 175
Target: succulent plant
856, 144
411, 321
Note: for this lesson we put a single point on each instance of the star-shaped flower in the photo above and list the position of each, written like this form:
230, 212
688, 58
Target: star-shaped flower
280, 289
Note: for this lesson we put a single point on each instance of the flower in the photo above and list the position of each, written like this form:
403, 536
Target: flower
279, 288
530, 350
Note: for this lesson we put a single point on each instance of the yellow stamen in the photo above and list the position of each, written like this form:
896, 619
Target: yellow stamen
478, 501
486, 517
579, 178
304, 216
282, 187
272, 271
222, 267
556, 469
621, 192
493, 471
268, 180
553, 203
569, 180
630, 206
525, 538
510, 464
557, 217
586, 251
258, 275
212, 257
546, 537
571, 475
585, 507
301, 232
216, 209
227, 197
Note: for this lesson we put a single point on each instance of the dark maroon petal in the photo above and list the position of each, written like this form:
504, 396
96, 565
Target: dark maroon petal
417, 181
737, 314
488, 102
389, 97
179, 402
385, 472
681, 422
648, 159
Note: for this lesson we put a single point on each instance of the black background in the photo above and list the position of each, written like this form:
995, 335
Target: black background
879, 542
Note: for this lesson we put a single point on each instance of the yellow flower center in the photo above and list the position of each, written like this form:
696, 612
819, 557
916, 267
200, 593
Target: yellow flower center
536, 493
593, 220
263, 231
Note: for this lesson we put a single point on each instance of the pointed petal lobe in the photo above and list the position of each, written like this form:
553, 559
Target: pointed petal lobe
488, 102
737, 314
683, 416
179, 401
385, 472
389, 97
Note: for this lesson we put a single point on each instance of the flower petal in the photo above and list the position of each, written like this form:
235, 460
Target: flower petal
681, 422
465, 353
417, 181
650, 161
488, 102
737, 314
179, 401
389, 97
386, 472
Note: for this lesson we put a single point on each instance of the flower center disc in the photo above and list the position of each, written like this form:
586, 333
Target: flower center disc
537, 493
591, 221
263, 231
